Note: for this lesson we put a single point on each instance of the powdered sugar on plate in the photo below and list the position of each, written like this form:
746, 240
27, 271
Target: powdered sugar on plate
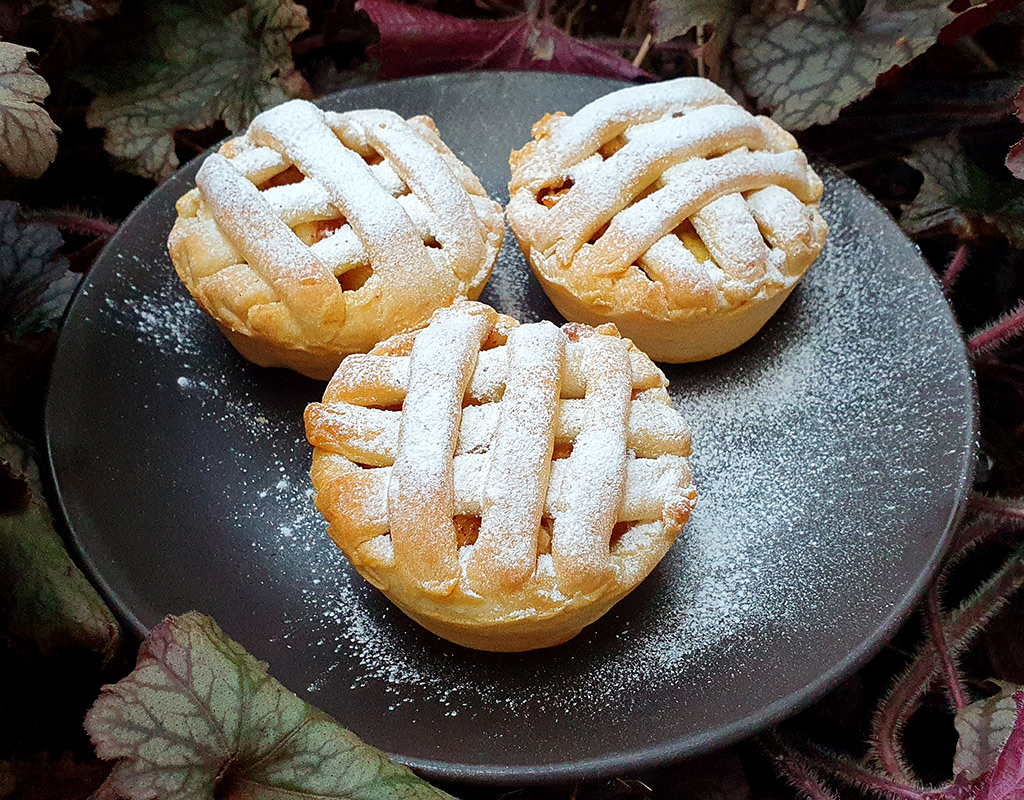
829, 456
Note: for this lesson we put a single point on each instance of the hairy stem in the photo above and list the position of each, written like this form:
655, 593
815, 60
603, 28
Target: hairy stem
911, 686
860, 776
952, 675
1007, 511
999, 332
954, 269
75, 223
795, 768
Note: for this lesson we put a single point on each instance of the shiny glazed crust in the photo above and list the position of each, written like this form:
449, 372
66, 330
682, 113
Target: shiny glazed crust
669, 211
316, 234
503, 484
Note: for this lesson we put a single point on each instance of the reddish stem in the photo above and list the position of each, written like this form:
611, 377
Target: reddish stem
974, 612
970, 536
862, 777
795, 768
75, 223
997, 507
949, 670
998, 332
956, 266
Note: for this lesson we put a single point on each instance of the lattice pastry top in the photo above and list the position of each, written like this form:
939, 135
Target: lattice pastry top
669, 210
503, 484
319, 234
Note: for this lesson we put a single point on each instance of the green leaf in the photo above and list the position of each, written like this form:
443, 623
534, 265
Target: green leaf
672, 18
28, 137
35, 283
807, 66
983, 728
956, 191
50, 606
199, 717
192, 69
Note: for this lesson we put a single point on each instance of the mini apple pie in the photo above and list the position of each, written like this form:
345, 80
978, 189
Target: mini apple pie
669, 210
319, 234
503, 484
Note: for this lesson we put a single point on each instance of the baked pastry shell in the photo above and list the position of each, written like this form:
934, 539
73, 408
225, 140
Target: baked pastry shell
746, 277
500, 625
535, 613
384, 305
678, 337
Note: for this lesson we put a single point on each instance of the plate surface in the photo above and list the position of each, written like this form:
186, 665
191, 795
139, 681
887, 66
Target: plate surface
832, 457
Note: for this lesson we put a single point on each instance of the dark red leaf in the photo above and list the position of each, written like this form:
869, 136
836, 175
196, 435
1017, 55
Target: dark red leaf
416, 41
973, 19
1015, 159
1007, 782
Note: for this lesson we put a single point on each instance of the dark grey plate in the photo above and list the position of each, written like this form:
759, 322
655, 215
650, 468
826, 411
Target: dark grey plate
832, 456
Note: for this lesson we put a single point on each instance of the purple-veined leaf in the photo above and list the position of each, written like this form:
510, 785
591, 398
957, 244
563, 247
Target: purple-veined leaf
197, 68
1007, 782
1015, 158
28, 137
955, 190
199, 717
983, 729
671, 18
417, 41
806, 66
35, 283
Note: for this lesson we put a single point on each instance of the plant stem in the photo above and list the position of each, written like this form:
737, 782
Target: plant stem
998, 332
964, 623
997, 507
856, 774
949, 670
612, 43
954, 269
642, 53
794, 767
75, 223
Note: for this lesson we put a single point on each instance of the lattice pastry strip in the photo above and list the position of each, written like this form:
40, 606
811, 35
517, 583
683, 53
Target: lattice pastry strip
670, 211
335, 231
503, 484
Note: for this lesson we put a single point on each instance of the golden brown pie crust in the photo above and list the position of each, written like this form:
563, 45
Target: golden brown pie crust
503, 484
670, 211
318, 234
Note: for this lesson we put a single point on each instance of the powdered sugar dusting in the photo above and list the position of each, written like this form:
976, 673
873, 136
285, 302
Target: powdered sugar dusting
815, 454
769, 458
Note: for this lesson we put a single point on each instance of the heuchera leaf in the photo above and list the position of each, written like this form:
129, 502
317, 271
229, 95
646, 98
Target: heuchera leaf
672, 18
199, 717
416, 41
193, 70
983, 729
807, 66
35, 283
1007, 782
955, 190
28, 137
1015, 158
49, 605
